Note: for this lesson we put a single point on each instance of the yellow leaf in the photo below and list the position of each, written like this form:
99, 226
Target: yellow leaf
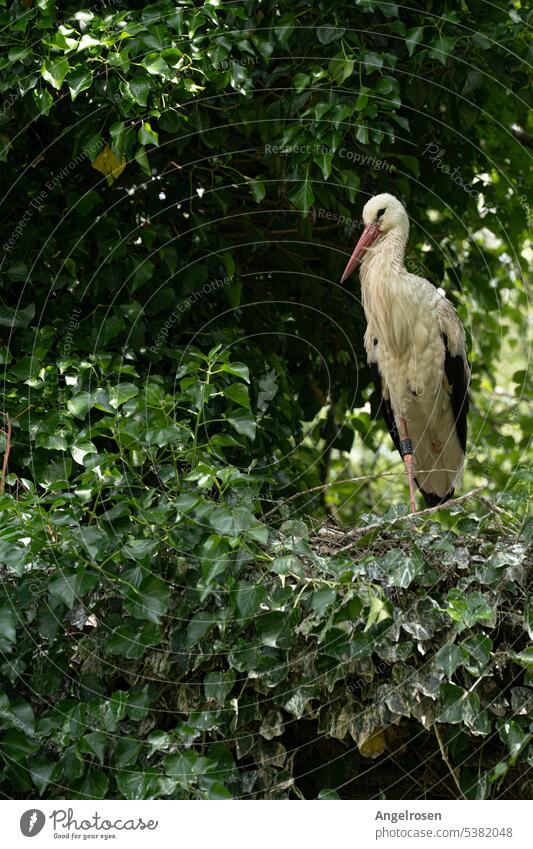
109, 165
373, 746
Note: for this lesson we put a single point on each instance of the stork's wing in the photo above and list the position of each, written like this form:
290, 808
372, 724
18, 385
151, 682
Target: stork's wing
456, 382
456, 377
385, 407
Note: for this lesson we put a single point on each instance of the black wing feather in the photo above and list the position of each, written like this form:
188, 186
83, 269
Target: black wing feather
454, 369
385, 407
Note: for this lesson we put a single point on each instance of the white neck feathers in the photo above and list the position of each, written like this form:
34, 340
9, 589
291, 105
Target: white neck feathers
383, 290
384, 261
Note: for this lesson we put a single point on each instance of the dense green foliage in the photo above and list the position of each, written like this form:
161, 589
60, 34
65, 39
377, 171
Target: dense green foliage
181, 186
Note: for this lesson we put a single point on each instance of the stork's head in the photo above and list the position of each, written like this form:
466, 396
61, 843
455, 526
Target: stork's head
382, 215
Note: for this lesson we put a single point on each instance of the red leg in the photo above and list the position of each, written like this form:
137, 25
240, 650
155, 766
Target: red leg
408, 460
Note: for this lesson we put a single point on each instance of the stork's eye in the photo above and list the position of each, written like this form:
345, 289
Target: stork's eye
381, 212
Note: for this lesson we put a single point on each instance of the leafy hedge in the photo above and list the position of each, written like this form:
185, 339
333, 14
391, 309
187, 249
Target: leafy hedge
161, 639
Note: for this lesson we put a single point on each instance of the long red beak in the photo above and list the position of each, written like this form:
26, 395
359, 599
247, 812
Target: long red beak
368, 237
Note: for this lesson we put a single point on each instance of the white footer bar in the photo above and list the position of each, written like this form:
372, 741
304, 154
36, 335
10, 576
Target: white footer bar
267, 825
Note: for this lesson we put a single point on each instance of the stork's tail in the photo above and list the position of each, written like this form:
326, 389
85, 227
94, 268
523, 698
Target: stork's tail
433, 500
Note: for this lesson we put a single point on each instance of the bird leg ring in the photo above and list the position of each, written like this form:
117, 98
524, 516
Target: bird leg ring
406, 450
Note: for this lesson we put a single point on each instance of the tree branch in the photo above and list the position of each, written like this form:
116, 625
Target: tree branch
445, 758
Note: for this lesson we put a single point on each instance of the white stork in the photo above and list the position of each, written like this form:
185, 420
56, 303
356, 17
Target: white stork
416, 348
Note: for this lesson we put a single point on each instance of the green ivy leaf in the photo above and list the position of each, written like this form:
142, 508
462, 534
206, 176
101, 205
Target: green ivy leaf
478, 652
199, 626
137, 784
413, 37
137, 90
93, 786
238, 393
258, 190
513, 736
54, 71
71, 585
238, 369
79, 405
400, 567
302, 196
243, 423
231, 521
326, 34
80, 79
467, 609
7, 627
43, 772
372, 61
452, 703
94, 744
16, 317
218, 685
442, 48
147, 135
122, 392
130, 641
247, 598
449, 657
324, 161
151, 600
17, 745
379, 610
322, 599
